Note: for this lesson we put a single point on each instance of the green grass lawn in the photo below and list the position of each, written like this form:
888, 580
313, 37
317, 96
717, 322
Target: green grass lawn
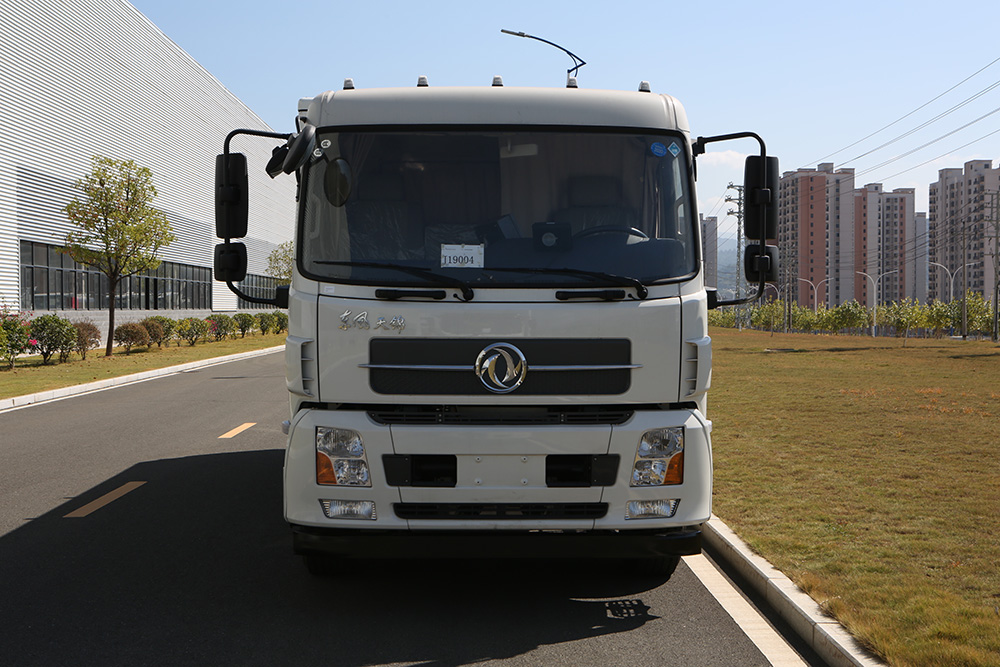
30, 376
870, 474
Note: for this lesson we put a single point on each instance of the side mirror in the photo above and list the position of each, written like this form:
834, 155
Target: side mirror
300, 147
759, 262
230, 262
231, 196
760, 188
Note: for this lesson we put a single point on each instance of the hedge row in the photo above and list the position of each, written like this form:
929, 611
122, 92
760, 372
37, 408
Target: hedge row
52, 336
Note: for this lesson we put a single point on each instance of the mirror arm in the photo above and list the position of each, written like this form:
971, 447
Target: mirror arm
253, 133
253, 299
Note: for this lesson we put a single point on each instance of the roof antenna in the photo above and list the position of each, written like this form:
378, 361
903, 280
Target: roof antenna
578, 62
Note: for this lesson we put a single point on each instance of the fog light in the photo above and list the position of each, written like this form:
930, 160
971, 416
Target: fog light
349, 509
651, 509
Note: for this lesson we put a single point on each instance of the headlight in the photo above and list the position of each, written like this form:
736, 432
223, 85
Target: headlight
340, 458
659, 458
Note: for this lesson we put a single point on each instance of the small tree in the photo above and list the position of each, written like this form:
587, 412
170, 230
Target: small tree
155, 331
17, 335
266, 322
938, 317
52, 334
220, 326
169, 327
119, 232
280, 321
280, 263
132, 334
852, 315
245, 322
902, 316
192, 329
88, 336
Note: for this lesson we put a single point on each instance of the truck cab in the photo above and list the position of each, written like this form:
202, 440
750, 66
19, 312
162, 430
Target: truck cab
498, 334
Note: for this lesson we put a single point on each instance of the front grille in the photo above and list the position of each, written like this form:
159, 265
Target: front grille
505, 511
387, 355
472, 415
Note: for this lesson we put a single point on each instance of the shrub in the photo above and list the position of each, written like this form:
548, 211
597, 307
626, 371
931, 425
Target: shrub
17, 335
88, 337
155, 331
266, 322
245, 322
131, 334
280, 321
192, 329
221, 326
169, 327
51, 333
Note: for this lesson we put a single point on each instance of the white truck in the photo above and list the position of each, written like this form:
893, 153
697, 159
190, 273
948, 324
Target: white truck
498, 335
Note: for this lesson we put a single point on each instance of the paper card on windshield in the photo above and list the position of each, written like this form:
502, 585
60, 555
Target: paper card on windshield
460, 256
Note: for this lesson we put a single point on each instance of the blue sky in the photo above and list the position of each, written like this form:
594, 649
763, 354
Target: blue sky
811, 78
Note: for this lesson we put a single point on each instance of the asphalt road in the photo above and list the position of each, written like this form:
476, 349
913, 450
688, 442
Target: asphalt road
131, 533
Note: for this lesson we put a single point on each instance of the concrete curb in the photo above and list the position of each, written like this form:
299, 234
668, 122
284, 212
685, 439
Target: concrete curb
65, 392
820, 631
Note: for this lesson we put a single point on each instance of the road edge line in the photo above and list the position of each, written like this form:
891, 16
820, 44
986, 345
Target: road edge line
17, 402
823, 633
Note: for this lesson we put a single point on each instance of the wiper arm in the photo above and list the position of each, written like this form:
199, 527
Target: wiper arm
437, 278
624, 281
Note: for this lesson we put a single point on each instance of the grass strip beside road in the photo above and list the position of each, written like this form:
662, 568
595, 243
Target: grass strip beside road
869, 473
30, 376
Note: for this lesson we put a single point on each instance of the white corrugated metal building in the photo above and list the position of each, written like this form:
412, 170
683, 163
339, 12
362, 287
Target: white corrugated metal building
80, 78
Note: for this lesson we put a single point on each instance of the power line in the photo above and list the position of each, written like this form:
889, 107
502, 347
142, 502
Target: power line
907, 115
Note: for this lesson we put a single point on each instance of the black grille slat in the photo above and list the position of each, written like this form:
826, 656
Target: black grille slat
416, 415
500, 511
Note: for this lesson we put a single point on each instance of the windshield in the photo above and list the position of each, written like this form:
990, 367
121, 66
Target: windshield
497, 208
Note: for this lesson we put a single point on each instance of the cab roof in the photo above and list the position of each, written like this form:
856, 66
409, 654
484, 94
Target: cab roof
493, 105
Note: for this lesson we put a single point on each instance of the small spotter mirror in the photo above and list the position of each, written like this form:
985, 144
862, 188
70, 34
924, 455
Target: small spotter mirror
300, 147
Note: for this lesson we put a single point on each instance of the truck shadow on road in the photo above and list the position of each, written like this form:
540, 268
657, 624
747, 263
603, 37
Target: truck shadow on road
195, 567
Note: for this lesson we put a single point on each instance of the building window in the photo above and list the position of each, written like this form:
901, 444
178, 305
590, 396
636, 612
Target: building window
261, 287
51, 280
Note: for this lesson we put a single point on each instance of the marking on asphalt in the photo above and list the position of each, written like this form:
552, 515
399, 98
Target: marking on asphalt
236, 431
104, 500
754, 626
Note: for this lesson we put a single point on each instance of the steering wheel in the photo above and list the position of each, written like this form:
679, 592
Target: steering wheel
607, 229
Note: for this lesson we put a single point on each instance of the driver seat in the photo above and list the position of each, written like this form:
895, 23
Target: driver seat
596, 201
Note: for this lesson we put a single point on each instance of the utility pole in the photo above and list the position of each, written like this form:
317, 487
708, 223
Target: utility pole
738, 212
965, 281
995, 217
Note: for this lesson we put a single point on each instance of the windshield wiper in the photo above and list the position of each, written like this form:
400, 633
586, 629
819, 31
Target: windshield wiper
624, 281
436, 278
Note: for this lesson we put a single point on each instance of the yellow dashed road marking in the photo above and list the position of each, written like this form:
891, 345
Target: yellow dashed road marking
104, 500
236, 431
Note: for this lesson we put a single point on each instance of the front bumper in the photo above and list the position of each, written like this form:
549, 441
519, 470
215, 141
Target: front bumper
598, 544
499, 468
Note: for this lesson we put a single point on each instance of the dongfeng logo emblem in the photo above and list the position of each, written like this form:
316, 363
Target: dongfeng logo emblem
501, 368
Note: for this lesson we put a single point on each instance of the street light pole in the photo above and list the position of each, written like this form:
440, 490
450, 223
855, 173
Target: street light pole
951, 280
965, 300
875, 283
815, 291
